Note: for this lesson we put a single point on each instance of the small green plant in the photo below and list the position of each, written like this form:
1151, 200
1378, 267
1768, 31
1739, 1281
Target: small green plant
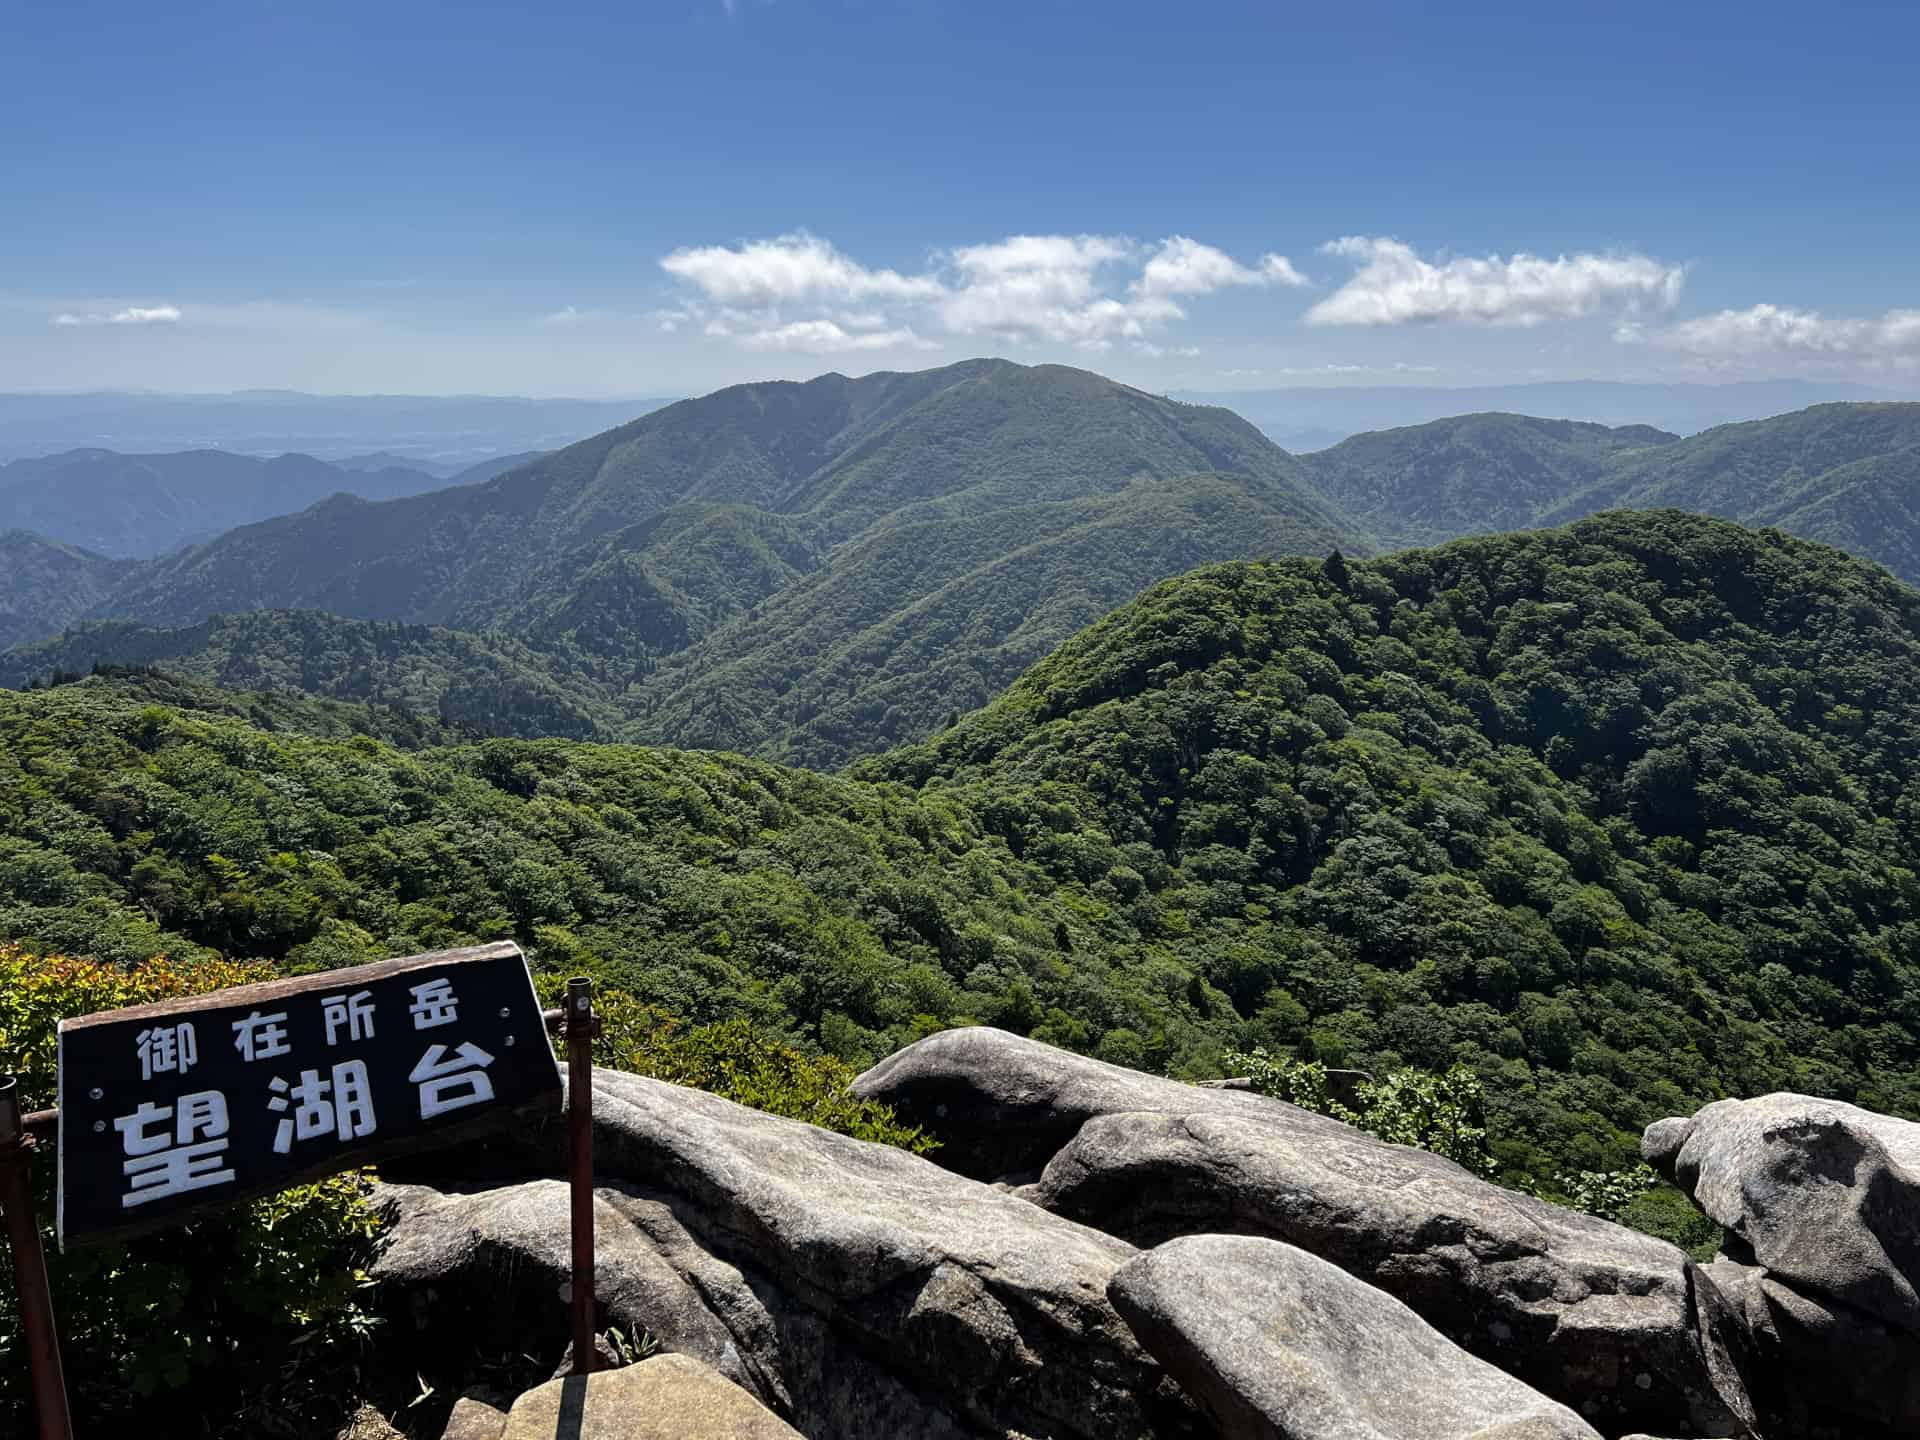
631, 1346
1440, 1113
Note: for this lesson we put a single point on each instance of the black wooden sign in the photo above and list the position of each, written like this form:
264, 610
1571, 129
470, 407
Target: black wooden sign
171, 1110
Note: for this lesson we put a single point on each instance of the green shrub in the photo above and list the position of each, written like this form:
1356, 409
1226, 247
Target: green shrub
739, 1062
1440, 1113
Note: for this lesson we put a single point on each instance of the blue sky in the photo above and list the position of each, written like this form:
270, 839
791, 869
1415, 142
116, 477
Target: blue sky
660, 196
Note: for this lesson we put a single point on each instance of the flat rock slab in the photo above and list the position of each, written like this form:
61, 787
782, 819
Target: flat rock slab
1278, 1345
1825, 1195
667, 1397
859, 1291
1599, 1316
474, 1418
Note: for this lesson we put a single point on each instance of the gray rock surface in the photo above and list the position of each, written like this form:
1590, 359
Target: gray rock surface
1820, 1368
1601, 1317
1003, 1105
1825, 1195
857, 1290
667, 1397
475, 1417
1278, 1345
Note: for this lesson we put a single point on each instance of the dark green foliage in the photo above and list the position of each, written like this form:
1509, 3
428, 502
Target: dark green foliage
920, 617
1615, 817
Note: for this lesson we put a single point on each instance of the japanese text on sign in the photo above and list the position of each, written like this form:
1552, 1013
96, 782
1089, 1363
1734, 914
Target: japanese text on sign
172, 1109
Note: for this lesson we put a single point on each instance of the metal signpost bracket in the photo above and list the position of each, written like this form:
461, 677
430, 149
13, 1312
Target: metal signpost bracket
580, 1026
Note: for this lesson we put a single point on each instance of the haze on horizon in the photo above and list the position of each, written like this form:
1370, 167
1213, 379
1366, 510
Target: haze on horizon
606, 201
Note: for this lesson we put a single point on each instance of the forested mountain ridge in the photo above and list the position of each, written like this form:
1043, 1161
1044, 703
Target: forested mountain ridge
811, 572
1615, 815
1626, 801
1846, 474
485, 685
1469, 474
932, 614
836, 563
45, 584
841, 454
144, 505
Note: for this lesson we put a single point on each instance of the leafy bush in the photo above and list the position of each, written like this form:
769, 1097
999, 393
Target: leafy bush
1440, 1113
739, 1062
250, 1317
1607, 1193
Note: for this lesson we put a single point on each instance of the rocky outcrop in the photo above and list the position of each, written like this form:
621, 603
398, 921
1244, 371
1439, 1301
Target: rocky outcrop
1820, 1368
1003, 1105
1821, 1204
1615, 1323
1278, 1345
857, 1290
1825, 1195
667, 1397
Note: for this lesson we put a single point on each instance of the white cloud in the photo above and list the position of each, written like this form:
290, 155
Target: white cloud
132, 315
790, 268
1089, 291
1046, 287
1779, 329
1186, 267
826, 337
1394, 285
565, 315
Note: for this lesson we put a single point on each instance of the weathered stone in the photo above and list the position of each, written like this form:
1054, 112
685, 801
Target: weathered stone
1003, 1105
857, 1290
1601, 1317
1825, 1195
1276, 1344
669, 1397
475, 1417
1822, 1369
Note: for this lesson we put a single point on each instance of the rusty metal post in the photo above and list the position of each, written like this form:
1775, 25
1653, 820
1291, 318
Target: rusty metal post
30, 1267
581, 1027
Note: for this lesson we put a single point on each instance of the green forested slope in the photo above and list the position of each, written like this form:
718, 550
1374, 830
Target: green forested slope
45, 584
1470, 474
839, 564
936, 612
1869, 507
1617, 815
490, 685
843, 452
1844, 474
